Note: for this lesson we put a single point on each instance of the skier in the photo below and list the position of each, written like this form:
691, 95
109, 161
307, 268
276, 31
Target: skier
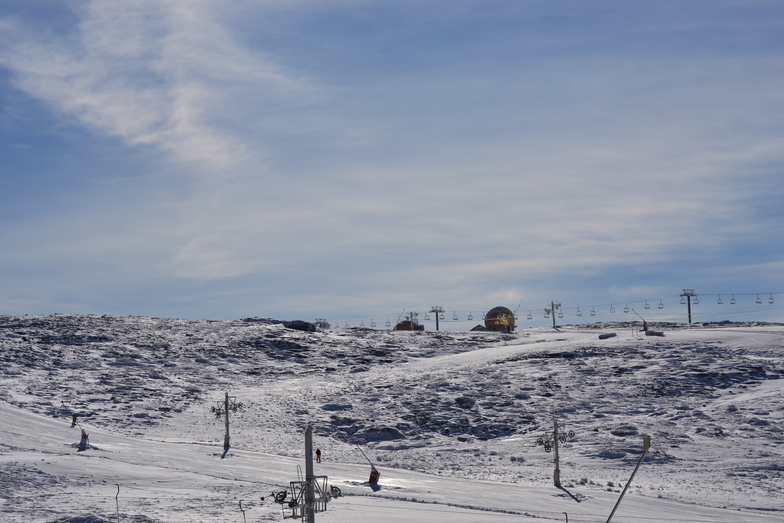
73, 419
318, 455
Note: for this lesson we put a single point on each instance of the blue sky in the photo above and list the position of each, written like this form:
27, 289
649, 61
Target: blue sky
350, 159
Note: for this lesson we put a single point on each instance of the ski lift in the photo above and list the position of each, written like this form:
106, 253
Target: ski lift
346, 325
560, 313
720, 301
470, 316
758, 299
626, 309
612, 309
593, 311
696, 300
427, 316
661, 305
530, 316
454, 316
362, 324
441, 316
732, 301
388, 323
647, 305
372, 323
683, 300
578, 312
547, 313
770, 300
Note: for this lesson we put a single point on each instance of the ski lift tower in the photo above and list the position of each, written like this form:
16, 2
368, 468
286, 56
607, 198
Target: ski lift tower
688, 293
310, 495
550, 442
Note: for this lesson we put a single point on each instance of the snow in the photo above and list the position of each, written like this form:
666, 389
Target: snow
450, 419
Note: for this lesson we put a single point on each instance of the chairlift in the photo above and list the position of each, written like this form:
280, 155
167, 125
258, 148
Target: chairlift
578, 312
770, 300
454, 316
560, 314
372, 323
427, 316
362, 324
612, 309
683, 300
626, 309
696, 300
441, 316
389, 324
720, 301
470, 316
732, 301
547, 313
647, 305
347, 325
758, 299
661, 305
593, 311
530, 316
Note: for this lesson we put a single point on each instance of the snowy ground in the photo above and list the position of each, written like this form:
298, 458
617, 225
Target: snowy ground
452, 420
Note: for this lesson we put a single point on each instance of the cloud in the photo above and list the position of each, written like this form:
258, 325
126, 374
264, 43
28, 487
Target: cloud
407, 156
161, 74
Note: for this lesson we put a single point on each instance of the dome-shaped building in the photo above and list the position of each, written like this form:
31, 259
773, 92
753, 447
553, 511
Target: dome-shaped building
500, 319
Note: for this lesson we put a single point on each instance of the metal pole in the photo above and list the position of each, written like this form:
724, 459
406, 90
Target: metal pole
226, 407
557, 471
552, 305
646, 444
688, 302
310, 496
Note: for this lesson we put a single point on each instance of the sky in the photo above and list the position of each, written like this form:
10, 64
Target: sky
352, 159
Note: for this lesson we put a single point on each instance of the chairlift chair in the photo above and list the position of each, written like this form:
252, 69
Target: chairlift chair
661, 305
720, 301
372, 323
732, 301
626, 309
696, 300
470, 316
530, 316
389, 324
647, 305
441, 316
546, 313
427, 316
593, 311
612, 309
454, 316
770, 300
578, 312
683, 300
758, 299
560, 314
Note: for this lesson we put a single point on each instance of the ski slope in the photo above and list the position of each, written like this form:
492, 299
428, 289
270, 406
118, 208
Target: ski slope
450, 419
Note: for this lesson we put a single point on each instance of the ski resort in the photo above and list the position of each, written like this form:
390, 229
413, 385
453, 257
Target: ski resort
135, 419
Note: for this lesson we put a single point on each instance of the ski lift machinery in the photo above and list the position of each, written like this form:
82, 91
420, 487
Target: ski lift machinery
309, 495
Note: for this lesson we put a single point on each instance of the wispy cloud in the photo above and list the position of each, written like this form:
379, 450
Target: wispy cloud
161, 74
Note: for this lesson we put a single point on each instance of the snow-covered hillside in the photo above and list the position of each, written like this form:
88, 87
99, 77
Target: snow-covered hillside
452, 419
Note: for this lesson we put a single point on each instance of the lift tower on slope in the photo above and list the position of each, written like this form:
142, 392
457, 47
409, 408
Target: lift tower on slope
688, 294
310, 495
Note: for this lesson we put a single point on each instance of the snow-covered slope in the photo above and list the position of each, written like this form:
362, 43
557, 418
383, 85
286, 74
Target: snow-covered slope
452, 420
